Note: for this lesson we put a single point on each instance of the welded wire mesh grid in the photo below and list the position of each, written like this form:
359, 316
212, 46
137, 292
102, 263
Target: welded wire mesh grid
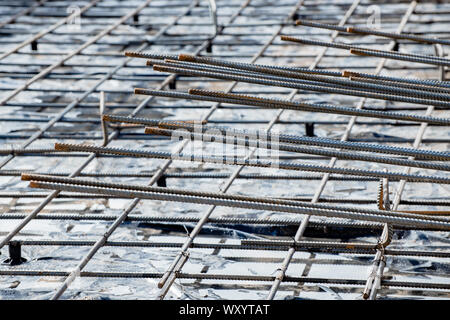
82, 245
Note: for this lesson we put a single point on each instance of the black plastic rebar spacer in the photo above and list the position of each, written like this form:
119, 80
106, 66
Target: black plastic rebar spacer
295, 16
136, 18
34, 45
162, 182
309, 129
15, 254
173, 84
209, 47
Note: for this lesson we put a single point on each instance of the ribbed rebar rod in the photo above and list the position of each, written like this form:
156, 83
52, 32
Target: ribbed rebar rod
282, 271
184, 175
153, 180
223, 196
422, 202
264, 68
267, 144
397, 56
377, 274
24, 12
271, 103
424, 82
380, 260
283, 75
299, 78
293, 139
61, 114
248, 245
372, 52
67, 147
148, 121
438, 225
417, 91
70, 55
431, 88
74, 103
183, 219
295, 85
364, 31
48, 30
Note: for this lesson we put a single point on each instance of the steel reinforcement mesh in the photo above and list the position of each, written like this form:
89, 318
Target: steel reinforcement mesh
110, 213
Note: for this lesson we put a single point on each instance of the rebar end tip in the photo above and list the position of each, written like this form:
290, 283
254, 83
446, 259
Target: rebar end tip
149, 63
186, 57
129, 54
357, 52
61, 147
350, 29
346, 73
298, 22
34, 184
25, 177
157, 131
149, 130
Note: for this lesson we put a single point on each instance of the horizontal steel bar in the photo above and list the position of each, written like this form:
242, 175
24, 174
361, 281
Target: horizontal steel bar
312, 75
363, 31
244, 245
28, 194
433, 60
277, 70
397, 56
66, 147
295, 85
231, 277
418, 223
232, 197
293, 139
49, 29
187, 175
